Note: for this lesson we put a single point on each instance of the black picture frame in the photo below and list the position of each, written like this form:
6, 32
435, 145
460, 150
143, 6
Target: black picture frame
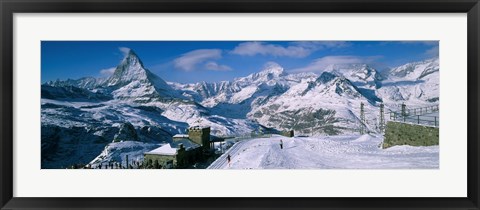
10, 7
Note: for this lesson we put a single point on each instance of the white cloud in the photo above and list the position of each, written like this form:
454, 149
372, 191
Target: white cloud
319, 45
124, 50
320, 64
428, 43
190, 60
107, 72
294, 49
216, 67
254, 48
432, 52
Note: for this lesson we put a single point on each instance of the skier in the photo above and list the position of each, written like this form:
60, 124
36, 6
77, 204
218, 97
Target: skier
228, 159
281, 144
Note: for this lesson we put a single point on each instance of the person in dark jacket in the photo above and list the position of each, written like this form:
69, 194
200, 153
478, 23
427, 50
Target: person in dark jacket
281, 144
229, 158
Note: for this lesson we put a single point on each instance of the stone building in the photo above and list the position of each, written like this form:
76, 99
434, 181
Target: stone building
179, 154
185, 150
200, 135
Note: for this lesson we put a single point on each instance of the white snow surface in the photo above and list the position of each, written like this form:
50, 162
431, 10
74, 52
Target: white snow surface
163, 150
180, 136
327, 152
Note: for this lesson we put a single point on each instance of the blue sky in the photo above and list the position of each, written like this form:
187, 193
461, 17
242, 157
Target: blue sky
193, 61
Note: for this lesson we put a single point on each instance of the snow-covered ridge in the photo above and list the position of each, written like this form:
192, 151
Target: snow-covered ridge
415, 70
131, 81
272, 98
342, 87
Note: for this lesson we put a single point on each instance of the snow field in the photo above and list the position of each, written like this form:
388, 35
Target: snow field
329, 152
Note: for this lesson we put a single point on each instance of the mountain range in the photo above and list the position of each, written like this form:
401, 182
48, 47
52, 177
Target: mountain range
81, 117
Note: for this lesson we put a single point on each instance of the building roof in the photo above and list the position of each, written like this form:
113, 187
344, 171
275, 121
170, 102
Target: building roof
171, 148
166, 149
180, 136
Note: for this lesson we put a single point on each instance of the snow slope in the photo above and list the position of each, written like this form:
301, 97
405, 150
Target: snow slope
328, 152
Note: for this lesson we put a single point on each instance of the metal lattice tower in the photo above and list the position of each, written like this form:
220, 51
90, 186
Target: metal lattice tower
382, 118
404, 111
362, 119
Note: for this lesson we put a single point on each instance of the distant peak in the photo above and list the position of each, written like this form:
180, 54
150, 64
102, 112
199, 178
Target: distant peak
273, 68
271, 64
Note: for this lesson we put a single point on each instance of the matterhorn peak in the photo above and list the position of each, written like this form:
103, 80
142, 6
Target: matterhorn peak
130, 69
132, 80
131, 58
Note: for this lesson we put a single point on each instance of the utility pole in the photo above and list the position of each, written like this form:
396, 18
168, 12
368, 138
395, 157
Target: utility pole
127, 160
362, 119
382, 118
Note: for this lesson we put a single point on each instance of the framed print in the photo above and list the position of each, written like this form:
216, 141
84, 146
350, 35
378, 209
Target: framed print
239, 105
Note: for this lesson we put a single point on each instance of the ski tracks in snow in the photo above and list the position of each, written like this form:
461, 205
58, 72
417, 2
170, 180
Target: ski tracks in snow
341, 152
222, 162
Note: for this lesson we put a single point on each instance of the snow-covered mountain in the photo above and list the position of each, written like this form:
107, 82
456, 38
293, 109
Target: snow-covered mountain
359, 74
132, 105
415, 83
241, 89
85, 82
132, 81
81, 117
415, 70
326, 105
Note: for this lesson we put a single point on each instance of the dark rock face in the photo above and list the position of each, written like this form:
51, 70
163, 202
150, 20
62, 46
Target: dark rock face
326, 77
153, 134
126, 133
63, 147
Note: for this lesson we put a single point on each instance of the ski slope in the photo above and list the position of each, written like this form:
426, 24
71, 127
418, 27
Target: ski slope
328, 152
